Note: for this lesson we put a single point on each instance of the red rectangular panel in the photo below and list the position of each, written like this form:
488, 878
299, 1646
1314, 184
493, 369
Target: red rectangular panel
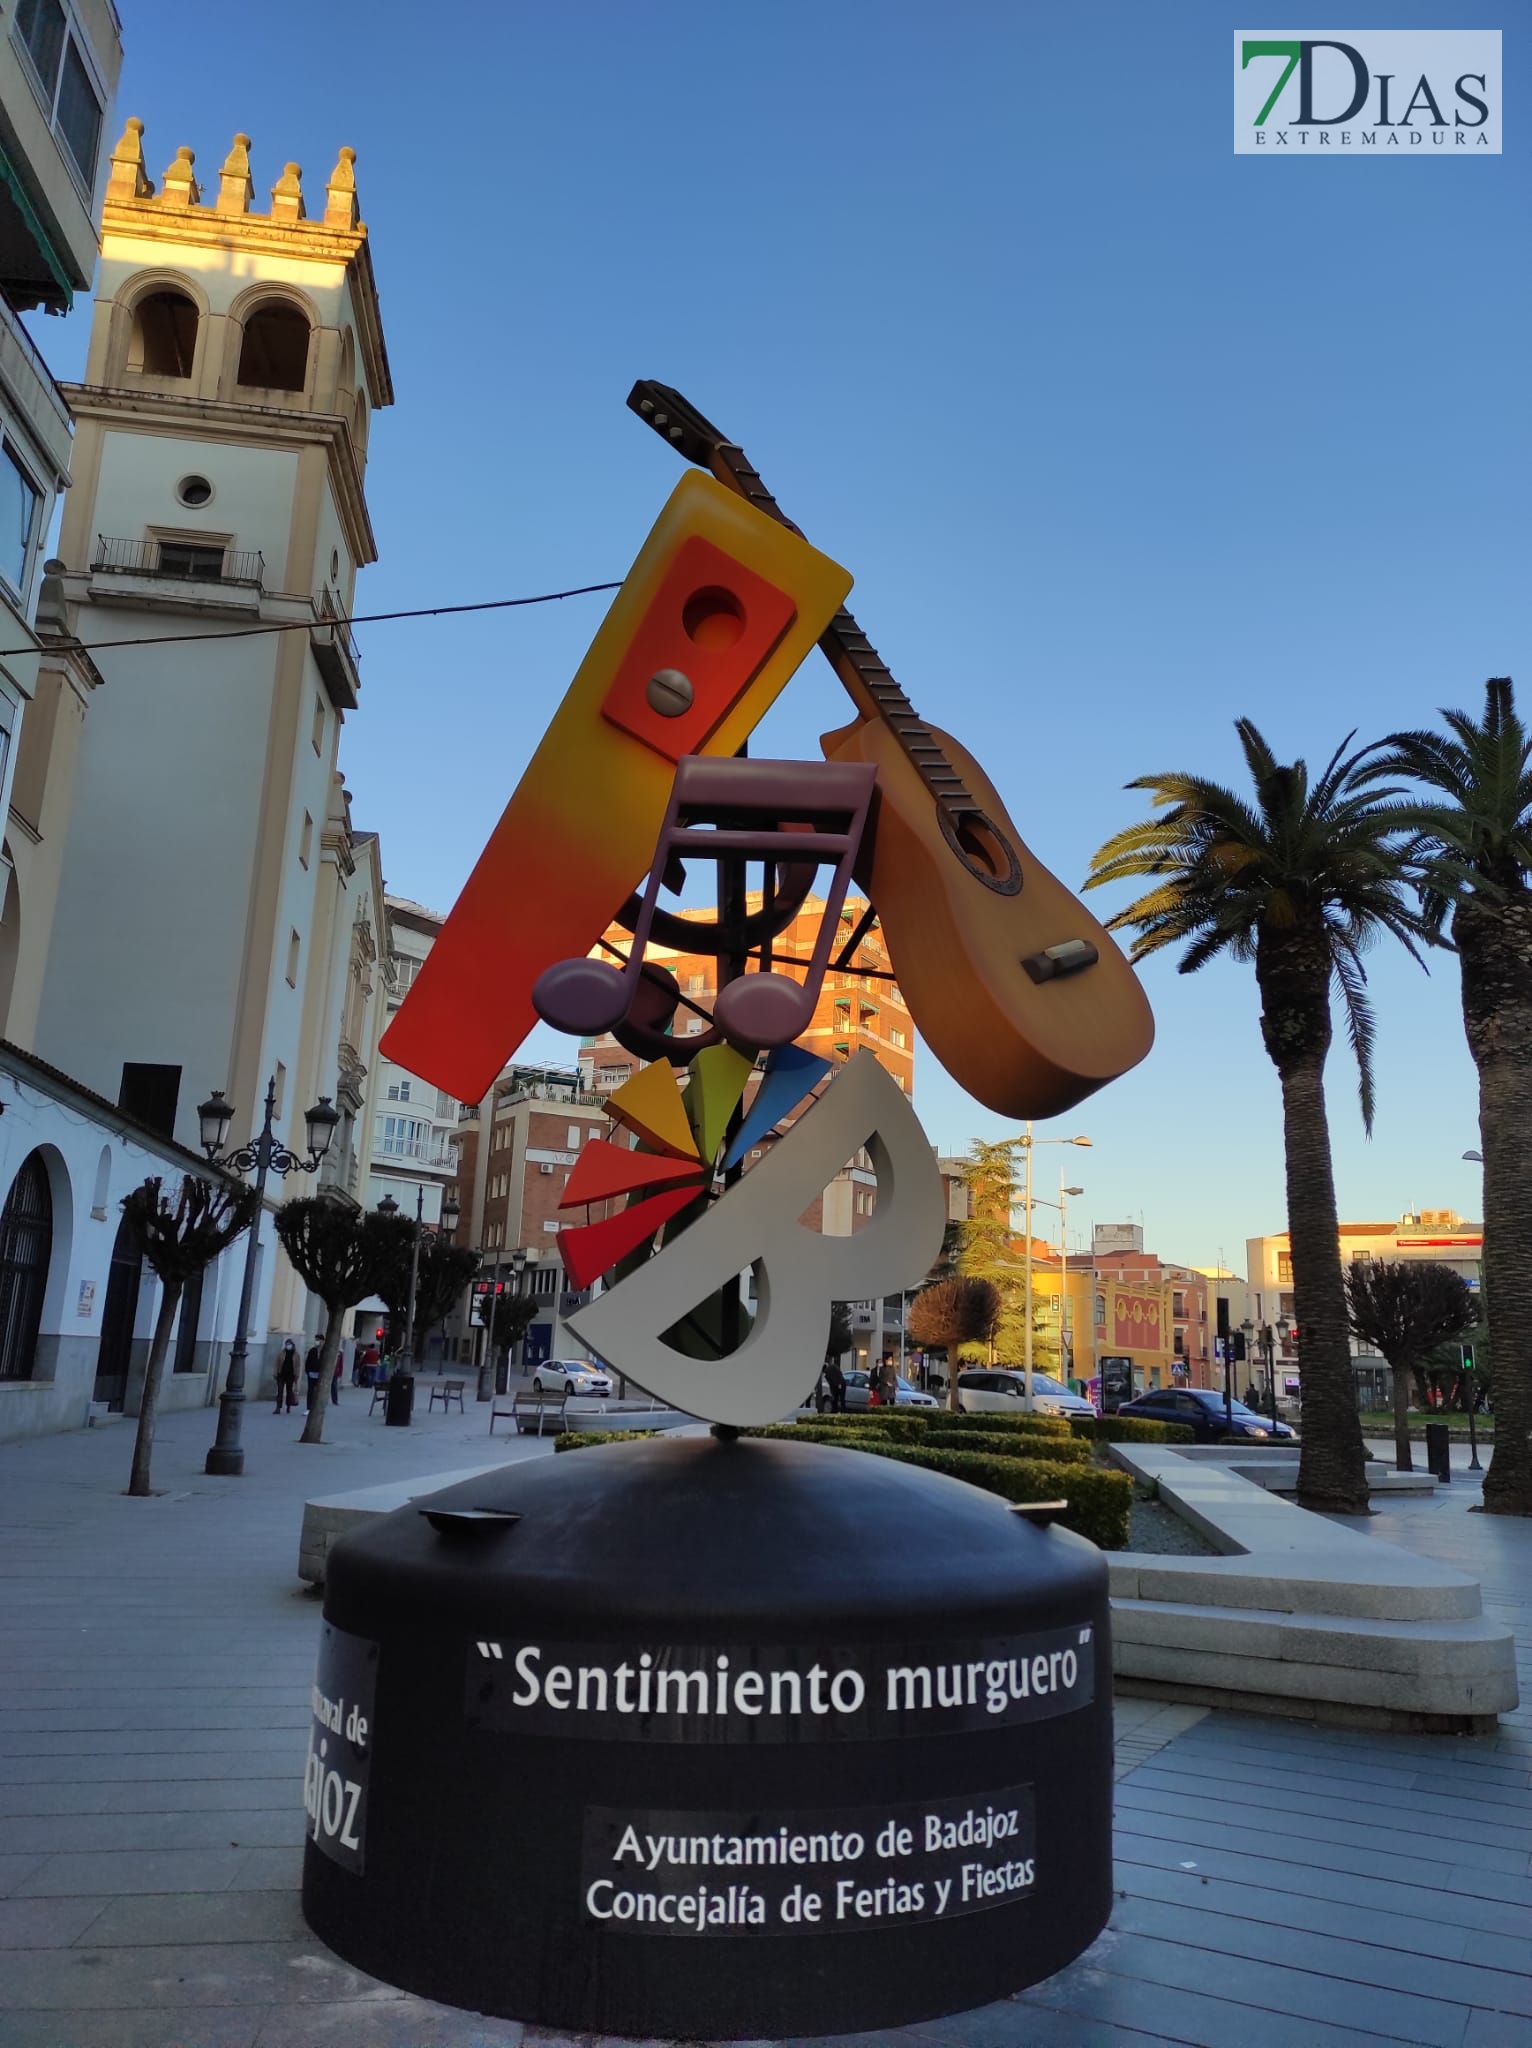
714, 620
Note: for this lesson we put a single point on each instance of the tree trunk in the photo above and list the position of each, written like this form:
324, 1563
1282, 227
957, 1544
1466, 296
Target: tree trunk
1332, 1462
329, 1351
1494, 944
143, 1441
1402, 1378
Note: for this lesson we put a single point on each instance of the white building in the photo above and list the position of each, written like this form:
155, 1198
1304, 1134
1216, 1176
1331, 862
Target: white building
414, 1130
189, 905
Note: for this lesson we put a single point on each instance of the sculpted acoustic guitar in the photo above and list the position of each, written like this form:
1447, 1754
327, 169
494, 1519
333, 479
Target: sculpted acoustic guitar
1020, 993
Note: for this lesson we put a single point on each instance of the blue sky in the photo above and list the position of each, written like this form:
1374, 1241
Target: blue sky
1121, 435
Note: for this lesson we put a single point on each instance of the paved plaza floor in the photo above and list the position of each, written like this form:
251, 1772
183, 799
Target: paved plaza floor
1278, 1886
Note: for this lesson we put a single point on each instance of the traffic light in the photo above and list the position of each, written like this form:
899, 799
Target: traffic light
1468, 1349
719, 609
1238, 1341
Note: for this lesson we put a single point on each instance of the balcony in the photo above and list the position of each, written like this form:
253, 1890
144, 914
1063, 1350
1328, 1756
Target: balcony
335, 656
29, 384
207, 576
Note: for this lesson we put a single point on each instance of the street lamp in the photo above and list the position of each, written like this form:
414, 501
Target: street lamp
450, 1213
226, 1459
1065, 1196
1026, 1141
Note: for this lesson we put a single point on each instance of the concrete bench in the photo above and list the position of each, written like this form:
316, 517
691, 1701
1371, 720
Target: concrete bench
1299, 1615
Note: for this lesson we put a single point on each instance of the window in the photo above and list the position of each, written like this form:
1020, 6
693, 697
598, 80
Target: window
26, 1251
150, 1093
294, 947
19, 502
69, 93
306, 840
316, 731
405, 971
195, 560
164, 340
404, 1137
897, 1037
274, 353
572, 1138
1178, 1304
279, 1107
398, 1091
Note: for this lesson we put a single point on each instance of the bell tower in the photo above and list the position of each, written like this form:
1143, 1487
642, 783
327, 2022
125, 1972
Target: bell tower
214, 531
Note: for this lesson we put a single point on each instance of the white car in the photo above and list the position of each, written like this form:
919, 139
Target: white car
570, 1376
1001, 1390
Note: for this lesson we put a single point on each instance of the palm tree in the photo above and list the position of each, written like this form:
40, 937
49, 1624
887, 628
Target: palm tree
1474, 860
1300, 882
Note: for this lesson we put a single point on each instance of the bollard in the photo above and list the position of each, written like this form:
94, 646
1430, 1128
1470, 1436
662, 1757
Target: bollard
399, 1400
1438, 1451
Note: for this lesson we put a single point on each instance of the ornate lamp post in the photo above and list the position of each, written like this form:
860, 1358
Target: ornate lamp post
449, 1216
226, 1459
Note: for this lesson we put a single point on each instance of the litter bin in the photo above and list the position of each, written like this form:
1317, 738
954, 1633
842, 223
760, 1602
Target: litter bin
399, 1400
1438, 1451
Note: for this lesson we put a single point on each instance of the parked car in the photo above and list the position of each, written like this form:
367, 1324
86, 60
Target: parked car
570, 1376
1202, 1409
859, 1393
1002, 1390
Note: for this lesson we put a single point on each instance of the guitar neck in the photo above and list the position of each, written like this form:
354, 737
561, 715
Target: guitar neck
864, 675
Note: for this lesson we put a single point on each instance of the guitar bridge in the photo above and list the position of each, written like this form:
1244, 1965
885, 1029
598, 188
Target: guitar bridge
1068, 958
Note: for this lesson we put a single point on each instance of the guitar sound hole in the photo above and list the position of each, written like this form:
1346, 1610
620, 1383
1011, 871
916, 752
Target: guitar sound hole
982, 847
713, 618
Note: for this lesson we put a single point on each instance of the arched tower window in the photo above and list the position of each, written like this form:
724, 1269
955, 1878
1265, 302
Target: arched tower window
164, 337
26, 1250
274, 354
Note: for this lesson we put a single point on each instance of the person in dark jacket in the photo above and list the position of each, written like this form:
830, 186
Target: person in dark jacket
287, 1378
835, 1381
313, 1366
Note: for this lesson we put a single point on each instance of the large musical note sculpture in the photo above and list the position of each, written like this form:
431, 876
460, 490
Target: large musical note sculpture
792, 817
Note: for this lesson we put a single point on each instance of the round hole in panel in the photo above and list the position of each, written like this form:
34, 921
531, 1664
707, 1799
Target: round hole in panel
335, 565
713, 618
194, 490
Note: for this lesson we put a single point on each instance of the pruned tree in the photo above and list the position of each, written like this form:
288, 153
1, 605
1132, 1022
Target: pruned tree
506, 1321
178, 1239
392, 1238
341, 1255
1404, 1309
951, 1313
445, 1270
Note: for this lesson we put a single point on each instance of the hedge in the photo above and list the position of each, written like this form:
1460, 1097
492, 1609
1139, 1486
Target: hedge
1130, 1429
1004, 1443
1098, 1500
910, 1423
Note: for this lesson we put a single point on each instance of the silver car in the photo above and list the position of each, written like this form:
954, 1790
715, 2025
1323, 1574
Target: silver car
570, 1376
1002, 1390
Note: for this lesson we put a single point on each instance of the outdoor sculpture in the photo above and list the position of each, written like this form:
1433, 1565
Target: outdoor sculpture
553, 1683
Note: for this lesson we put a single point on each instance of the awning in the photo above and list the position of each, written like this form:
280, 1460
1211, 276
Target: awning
10, 178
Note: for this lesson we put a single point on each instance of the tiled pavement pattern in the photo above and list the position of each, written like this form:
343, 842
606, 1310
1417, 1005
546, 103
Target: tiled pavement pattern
1279, 1887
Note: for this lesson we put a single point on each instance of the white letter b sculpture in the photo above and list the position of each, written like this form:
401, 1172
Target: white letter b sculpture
798, 1272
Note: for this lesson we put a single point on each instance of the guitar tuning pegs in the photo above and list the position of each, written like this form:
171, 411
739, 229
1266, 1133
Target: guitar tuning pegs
646, 406
675, 433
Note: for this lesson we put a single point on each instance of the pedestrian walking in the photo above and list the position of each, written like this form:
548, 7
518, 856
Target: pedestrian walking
835, 1380
313, 1366
888, 1380
287, 1378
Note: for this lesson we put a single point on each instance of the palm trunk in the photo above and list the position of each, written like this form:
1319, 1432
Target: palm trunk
1403, 1377
143, 1441
329, 1351
1332, 1463
1495, 948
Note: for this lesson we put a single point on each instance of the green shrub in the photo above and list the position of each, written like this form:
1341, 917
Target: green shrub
1054, 1426
1130, 1429
1098, 1500
1008, 1443
579, 1439
909, 1423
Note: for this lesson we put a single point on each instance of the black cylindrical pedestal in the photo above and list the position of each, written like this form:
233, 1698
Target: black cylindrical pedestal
399, 1400
715, 1738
